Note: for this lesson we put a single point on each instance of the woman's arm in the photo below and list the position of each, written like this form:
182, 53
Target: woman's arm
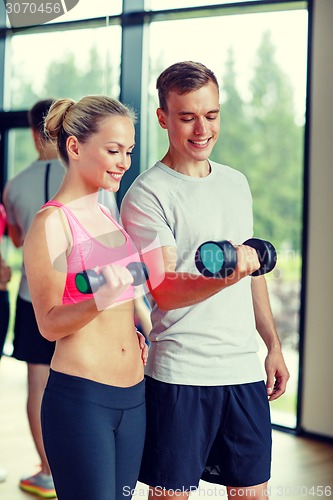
44, 253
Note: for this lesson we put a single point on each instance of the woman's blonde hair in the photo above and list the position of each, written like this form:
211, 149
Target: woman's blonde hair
81, 119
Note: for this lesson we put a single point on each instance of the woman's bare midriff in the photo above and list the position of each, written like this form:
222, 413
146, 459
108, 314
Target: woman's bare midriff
106, 351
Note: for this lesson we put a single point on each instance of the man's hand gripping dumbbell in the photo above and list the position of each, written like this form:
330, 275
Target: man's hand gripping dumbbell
218, 259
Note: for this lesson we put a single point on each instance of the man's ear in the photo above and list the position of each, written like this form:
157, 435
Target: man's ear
72, 145
161, 117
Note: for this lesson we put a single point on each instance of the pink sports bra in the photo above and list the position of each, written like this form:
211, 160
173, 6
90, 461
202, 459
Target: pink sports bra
89, 253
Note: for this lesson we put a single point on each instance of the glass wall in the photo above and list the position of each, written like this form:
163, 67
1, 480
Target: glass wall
260, 61
263, 88
179, 4
86, 9
69, 10
21, 150
68, 63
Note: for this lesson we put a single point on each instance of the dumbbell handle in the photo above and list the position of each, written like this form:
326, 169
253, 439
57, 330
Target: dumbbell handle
89, 281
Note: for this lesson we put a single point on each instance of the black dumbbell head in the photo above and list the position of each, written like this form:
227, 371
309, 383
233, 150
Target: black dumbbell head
216, 259
266, 255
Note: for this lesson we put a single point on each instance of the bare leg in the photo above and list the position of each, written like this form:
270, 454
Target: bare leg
37, 378
155, 493
257, 492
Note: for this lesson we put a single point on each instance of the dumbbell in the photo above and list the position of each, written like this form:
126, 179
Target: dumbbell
89, 281
218, 259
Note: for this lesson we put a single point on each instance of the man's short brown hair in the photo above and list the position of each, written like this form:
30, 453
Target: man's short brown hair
183, 77
37, 115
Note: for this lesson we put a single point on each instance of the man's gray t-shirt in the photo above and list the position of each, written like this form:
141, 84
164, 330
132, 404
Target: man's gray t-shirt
213, 342
25, 194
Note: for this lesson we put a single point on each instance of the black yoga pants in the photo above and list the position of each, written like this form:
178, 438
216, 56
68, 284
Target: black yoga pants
93, 435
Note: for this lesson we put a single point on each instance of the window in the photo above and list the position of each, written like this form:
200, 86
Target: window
263, 88
178, 4
74, 10
21, 150
86, 9
70, 63
260, 60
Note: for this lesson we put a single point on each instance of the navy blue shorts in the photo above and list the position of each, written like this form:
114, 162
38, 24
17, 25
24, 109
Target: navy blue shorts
29, 345
221, 434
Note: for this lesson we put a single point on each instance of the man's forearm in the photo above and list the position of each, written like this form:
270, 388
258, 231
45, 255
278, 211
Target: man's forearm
263, 314
183, 289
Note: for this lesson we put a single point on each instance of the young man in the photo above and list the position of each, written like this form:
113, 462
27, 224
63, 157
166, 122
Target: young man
23, 197
207, 403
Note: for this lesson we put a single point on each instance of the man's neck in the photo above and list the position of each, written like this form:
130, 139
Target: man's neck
47, 151
195, 169
45, 157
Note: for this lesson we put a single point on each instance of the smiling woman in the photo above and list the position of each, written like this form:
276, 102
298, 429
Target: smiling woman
83, 141
98, 355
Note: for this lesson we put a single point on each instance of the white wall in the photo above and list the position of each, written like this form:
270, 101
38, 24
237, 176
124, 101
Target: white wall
318, 374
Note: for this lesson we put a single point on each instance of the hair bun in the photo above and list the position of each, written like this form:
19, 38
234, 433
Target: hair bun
56, 117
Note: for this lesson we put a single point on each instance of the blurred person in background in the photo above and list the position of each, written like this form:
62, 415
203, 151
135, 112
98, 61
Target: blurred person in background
5, 276
24, 194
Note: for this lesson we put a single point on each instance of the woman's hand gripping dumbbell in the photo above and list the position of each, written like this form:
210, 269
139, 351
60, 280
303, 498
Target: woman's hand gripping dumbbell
218, 259
90, 281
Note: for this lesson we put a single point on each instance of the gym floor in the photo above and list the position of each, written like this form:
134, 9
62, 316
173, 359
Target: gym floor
302, 468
